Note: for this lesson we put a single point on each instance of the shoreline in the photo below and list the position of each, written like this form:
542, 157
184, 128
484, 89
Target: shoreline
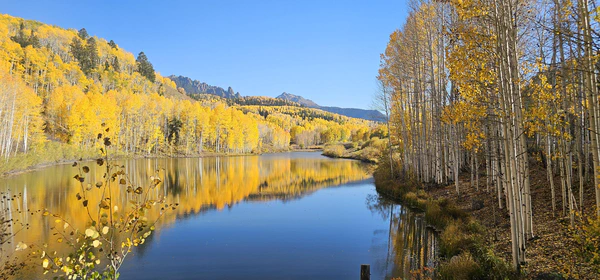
352, 157
464, 248
127, 157
485, 234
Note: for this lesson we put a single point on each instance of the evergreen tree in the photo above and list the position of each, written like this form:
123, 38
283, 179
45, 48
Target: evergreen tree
174, 127
77, 49
83, 34
116, 65
87, 55
144, 67
91, 56
24, 40
113, 45
33, 40
20, 36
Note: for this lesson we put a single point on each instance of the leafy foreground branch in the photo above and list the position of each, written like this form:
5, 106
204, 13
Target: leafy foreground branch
113, 230
9, 227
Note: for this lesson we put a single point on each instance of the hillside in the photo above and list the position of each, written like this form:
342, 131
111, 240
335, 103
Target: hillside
195, 89
372, 115
298, 99
262, 101
60, 87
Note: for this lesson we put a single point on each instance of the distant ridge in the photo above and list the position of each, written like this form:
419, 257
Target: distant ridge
192, 87
372, 115
298, 99
195, 89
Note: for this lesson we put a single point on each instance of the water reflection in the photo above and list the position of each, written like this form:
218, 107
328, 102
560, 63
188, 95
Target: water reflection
411, 248
197, 184
275, 228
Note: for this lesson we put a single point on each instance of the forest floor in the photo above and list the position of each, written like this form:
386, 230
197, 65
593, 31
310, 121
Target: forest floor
552, 253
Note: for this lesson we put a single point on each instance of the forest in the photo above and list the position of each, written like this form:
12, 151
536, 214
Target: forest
499, 100
59, 87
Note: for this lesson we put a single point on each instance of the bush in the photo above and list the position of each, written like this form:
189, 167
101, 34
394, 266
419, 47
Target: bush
422, 194
588, 237
411, 198
474, 227
379, 144
369, 154
435, 215
336, 150
460, 267
453, 240
494, 266
351, 145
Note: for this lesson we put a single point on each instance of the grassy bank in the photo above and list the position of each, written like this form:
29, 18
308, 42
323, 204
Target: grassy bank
53, 153
368, 151
464, 249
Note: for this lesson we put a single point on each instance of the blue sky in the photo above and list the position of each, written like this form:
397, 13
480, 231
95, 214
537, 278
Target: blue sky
327, 51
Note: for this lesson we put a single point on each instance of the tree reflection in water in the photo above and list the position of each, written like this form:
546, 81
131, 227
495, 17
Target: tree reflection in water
412, 246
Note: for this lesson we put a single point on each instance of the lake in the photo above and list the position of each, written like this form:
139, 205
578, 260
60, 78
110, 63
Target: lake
277, 216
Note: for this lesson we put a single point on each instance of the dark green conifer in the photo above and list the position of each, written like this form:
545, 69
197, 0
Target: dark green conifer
144, 67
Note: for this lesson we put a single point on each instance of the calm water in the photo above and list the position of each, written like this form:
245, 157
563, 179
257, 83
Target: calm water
280, 216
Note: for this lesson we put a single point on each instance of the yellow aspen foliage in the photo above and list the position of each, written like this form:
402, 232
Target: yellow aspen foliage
142, 117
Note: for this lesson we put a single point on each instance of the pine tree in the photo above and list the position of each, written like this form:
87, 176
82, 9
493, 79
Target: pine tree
23, 40
87, 55
115, 65
77, 49
113, 45
20, 37
144, 67
91, 56
83, 34
33, 40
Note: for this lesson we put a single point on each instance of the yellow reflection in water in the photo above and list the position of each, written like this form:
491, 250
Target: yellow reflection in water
197, 184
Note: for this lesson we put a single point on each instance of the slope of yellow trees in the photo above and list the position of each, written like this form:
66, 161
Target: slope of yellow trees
50, 107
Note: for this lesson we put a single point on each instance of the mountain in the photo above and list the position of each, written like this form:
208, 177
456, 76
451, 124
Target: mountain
193, 87
298, 99
197, 90
372, 115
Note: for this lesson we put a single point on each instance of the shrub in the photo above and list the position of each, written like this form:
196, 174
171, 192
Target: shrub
375, 142
336, 150
422, 194
369, 154
460, 267
453, 240
588, 237
410, 198
494, 266
351, 145
475, 228
395, 186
